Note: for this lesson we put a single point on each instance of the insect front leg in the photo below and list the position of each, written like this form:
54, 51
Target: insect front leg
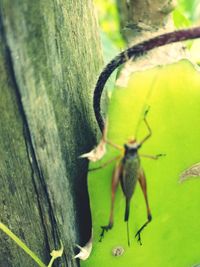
148, 128
104, 164
143, 184
118, 147
115, 183
152, 156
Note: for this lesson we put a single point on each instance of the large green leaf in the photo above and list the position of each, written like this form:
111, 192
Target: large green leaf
172, 239
189, 8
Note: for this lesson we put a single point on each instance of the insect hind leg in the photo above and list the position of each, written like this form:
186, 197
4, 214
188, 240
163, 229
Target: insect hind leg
143, 184
115, 183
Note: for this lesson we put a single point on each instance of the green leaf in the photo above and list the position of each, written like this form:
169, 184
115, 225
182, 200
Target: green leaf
188, 8
173, 237
180, 20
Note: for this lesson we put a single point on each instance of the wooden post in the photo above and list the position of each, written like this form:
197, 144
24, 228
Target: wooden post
49, 59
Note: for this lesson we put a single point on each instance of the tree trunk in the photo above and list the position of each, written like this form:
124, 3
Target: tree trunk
49, 60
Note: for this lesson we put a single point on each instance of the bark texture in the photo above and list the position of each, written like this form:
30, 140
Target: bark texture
49, 60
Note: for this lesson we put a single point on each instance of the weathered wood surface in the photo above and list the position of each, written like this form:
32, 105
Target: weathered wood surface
49, 60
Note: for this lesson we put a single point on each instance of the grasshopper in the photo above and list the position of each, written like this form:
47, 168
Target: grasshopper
127, 172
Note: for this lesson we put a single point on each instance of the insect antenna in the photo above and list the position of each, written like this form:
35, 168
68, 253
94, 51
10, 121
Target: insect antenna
137, 128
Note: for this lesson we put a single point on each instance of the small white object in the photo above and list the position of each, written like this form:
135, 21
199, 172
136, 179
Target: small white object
97, 153
192, 171
118, 251
94, 155
84, 251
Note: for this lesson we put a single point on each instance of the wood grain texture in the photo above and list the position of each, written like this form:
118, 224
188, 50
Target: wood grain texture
50, 58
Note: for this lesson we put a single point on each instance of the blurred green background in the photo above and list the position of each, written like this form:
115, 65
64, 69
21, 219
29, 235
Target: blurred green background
187, 13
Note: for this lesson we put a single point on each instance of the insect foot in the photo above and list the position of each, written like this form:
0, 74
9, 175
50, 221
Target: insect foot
160, 155
105, 228
138, 234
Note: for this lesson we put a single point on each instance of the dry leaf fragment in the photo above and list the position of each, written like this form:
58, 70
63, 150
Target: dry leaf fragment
193, 171
97, 153
84, 251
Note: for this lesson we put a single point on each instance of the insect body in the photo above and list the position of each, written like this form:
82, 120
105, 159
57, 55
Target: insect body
128, 171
